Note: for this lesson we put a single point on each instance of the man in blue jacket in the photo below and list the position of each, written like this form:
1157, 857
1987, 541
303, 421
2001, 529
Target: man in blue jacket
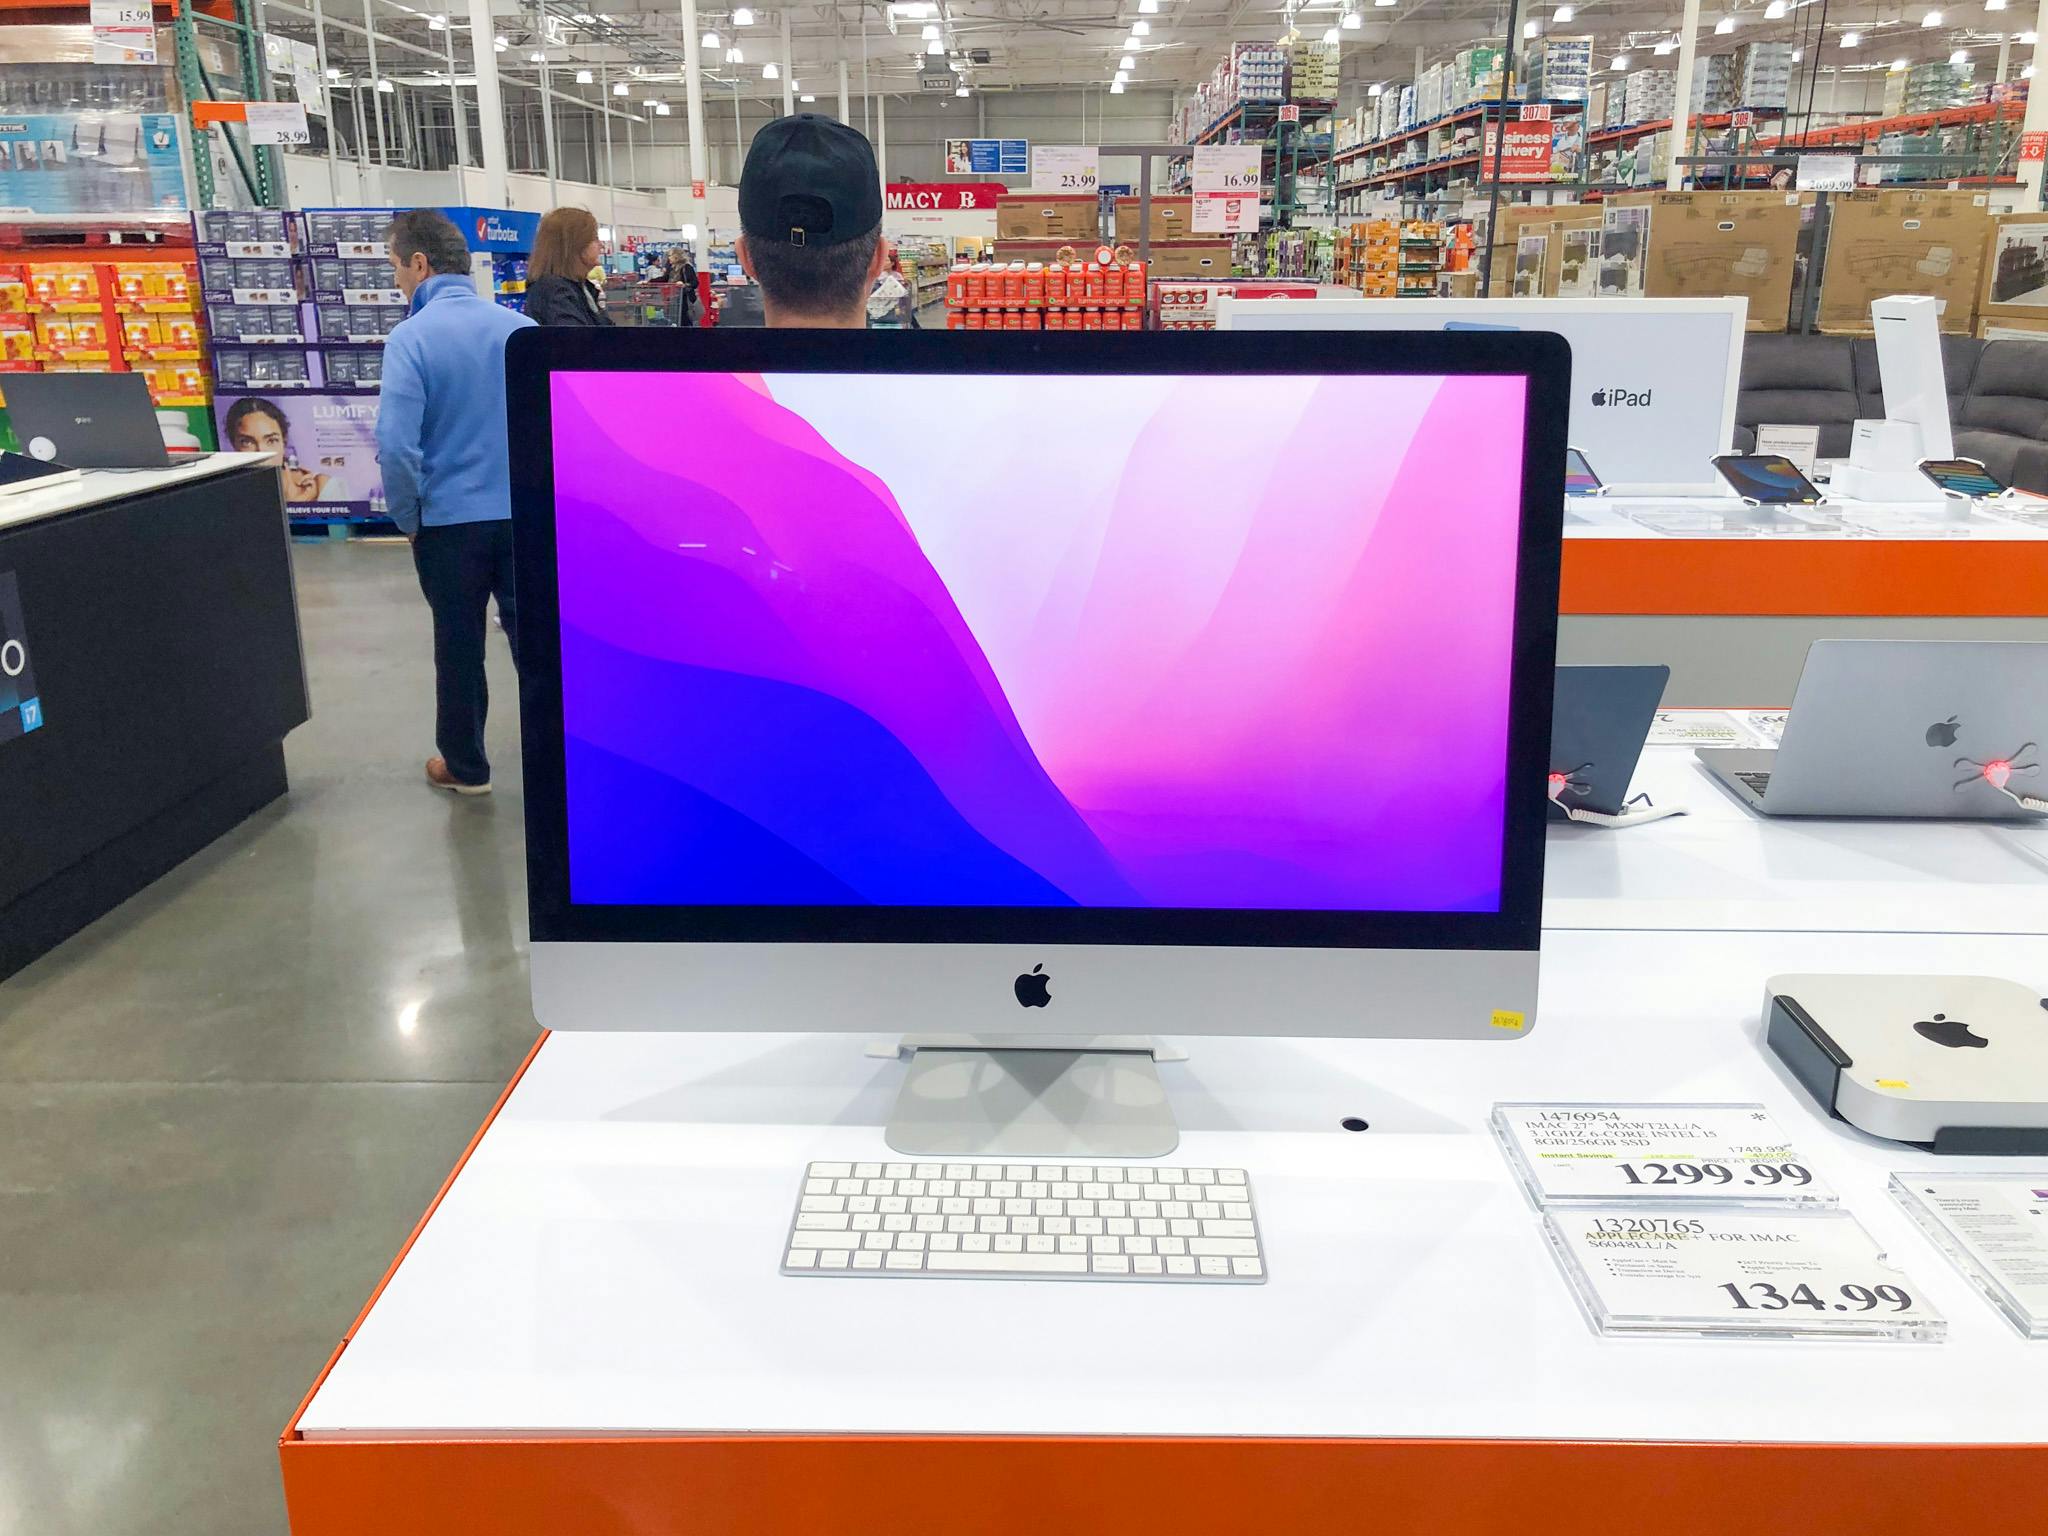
447, 480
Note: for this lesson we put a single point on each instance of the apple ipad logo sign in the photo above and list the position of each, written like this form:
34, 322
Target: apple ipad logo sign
1954, 1033
1034, 988
1943, 732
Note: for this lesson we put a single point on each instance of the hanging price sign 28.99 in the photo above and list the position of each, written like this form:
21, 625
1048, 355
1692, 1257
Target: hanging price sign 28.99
1226, 188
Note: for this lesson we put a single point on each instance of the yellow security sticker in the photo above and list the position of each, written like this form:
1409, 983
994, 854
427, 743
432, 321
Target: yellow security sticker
1503, 1019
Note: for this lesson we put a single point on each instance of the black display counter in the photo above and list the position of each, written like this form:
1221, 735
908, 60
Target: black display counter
150, 669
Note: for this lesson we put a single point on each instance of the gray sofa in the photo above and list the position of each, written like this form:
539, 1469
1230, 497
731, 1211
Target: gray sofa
1997, 395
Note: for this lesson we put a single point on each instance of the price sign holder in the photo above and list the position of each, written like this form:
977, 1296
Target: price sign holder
1994, 1228
1696, 1155
1065, 168
1719, 1274
1226, 188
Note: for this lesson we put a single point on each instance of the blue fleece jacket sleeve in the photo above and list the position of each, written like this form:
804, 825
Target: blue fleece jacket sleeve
401, 412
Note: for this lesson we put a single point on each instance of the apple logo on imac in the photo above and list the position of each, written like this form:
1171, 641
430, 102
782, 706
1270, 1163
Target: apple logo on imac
1954, 1033
1034, 988
1943, 733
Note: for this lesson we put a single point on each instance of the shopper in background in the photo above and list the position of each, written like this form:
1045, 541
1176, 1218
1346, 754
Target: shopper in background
559, 289
811, 222
441, 440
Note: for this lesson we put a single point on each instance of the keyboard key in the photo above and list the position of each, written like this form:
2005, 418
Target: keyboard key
1225, 1247
1003, 1189
1089, 1226
1059, 1226
1145, 1209
924, 1205
1040, 1244
959, 1171
830, 1170
1141, 1175
1214, 1266
1009, 1242
943, 1188
817, 1186
881, 1242
974, 1189
860, 1203
1171, 1245
956, 1205
1186, 1226
1041, 1263
988, 1170
906, 1261
910, 1242
943, 1242
865, 1260
1171, 1176
824, 1240
1073, 1245
928, 1171
1147, 1264
1024, 1224
1174, 1210
1047, 1172
801, 1258
1017, 1207
894, 1205
1201, 1175
974, 1242
1034, 1190
1229, 1229
1225, 1194
879, 1187
959, 1223
1152, 1226
1104, 1245
832, 1260
895, 1223
1230, 1176
1180, 1266
911, 1187
991, 1224
1247, 1269
1081, 1208
1110, 1264
1205, 1210
988, 1206
822, 1221
896, 1171
867, 1221
1066, 1191
867, 1170
1123, 1226
1137, 1245
822, 1203
1094, 1191
1017, 1170
1124, 1192
929, 1223
847, 1187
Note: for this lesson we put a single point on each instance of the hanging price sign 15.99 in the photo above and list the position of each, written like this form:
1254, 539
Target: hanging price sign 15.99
1226, 188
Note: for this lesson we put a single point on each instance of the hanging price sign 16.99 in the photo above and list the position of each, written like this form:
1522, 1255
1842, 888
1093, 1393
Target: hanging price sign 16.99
1226, 188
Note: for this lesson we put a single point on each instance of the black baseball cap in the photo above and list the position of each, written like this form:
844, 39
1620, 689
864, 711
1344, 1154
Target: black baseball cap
810, 180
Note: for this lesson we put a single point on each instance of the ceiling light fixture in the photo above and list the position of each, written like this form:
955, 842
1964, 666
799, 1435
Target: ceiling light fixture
931, 30
1798, 54
1375, 89
584, 77
708, 40
387, 87
1619, 61
1148, 7
1994, 5
1562, 14
1532, 28
734, 56
2026, 37
536, 57
500, 44
2027, 73
1774, 10
437, 23
1667, 46
333, 74
661, 109
1127, 62
1724, 26
743, 17
1899, 66
935, 48
1931, 19
1352, 21
1115, 89
1141, 28
1852, 39
1331, 35
621, 89
770, 72
1959, 57
808, 99
1120, 77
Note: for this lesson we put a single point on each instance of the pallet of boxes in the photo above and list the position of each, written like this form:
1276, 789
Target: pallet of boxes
1545, 251
1176, 250
1704, 245
1886, 241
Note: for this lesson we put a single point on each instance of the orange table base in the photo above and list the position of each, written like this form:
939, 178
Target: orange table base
930, 1486
1893, 578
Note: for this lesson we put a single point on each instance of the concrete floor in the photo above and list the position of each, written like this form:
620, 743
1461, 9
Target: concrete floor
224, 1105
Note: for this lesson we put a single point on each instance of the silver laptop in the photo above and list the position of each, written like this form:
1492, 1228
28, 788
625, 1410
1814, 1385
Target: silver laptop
1937, 729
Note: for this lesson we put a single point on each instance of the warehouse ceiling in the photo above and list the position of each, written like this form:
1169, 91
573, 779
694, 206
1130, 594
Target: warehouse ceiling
1003, 45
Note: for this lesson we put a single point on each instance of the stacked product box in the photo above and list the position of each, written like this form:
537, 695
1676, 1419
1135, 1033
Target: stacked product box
1060, 295
1651, 93
1932, 87
1183, 304
1559, 69
1260, 70
1713, 83
1429, 93
355, 305
249, 272
1368, 257
1387, 121
1313, 71
1763, 74
1407, 118
1476, 71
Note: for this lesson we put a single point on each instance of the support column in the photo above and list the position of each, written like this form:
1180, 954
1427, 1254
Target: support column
2004, 58
460, 126
842, 90
547, 124
1681, 109
882, 138
327, 99
376, 106
2036, 120
611, 182
490, 103
788, 68
693, 106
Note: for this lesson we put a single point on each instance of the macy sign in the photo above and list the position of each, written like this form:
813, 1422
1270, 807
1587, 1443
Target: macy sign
942, 197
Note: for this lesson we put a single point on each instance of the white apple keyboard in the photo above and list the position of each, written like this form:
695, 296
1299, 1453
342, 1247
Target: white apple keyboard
1026, 1221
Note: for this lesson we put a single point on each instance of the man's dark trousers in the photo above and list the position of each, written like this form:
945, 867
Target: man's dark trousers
462, 566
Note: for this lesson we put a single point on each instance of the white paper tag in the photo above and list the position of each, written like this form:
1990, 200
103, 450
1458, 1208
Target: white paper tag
1775, 1274
1698, 728
277, 122
1067, 168
1713, 1154
1995, 1228
1799, 444
1825, 173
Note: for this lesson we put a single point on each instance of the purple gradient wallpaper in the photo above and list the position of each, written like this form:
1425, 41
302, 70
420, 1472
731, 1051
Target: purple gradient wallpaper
930, 640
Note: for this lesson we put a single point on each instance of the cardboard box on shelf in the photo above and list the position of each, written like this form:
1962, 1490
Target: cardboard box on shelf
1513, 274
1191, 258
1900, 241
2016, 272
1057, 216
1173, 218
1710, 244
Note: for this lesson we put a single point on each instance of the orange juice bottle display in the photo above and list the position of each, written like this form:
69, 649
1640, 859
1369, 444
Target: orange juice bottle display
1096, 285
1034, 285
1056, 283
1013, 285
1113, 284
1134, 282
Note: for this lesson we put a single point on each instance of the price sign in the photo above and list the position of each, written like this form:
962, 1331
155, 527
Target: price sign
1994, 1226
123, 32
1534, 112
2034, 146
1825, 173
277, 122
1065, 168
1226, 188
1705, 1154
1290, 112
1741, 119
1755, 1274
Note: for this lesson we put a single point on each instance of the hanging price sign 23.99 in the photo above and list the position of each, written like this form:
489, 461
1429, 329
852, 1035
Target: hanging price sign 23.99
1226, 188
1065, 167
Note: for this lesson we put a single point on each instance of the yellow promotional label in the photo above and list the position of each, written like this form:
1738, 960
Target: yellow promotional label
1503, 1019
1891, 1082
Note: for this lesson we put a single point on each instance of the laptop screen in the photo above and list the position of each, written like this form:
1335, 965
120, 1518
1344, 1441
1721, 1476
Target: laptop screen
945, 640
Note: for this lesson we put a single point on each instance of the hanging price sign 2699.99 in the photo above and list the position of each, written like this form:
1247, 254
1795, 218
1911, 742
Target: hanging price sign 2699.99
1227, 188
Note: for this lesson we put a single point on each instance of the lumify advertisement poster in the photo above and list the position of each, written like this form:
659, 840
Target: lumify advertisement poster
326, 445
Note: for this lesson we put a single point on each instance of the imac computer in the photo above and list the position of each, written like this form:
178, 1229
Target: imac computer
1037, 694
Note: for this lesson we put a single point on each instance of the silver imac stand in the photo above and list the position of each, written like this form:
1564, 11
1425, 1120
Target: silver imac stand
1023, 1097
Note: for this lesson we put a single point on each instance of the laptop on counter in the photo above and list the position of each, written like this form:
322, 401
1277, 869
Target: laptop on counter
1932, 729
1599, 719
87, 420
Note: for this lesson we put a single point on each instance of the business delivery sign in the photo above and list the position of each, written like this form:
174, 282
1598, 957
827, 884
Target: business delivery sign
21, 711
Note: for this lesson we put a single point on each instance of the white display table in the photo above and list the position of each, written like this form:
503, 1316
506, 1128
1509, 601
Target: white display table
590, 1333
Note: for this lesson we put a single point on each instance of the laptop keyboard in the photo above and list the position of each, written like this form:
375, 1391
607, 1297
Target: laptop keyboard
1756, 781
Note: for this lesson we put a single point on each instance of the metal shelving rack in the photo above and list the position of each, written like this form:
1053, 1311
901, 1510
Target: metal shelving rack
261, 172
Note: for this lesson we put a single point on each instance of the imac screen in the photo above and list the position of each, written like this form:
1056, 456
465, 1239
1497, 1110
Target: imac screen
931, 640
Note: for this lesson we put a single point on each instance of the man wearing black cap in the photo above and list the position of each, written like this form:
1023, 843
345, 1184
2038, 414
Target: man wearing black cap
811, 222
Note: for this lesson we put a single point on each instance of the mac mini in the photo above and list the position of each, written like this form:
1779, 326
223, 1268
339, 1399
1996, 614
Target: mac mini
1957, 1064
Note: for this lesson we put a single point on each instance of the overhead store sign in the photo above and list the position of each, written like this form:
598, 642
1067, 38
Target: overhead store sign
943, 197
1524, 151
988, 157
942, 80
1226, 188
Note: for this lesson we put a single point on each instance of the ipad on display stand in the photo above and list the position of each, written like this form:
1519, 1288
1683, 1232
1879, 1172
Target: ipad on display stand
978, 690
